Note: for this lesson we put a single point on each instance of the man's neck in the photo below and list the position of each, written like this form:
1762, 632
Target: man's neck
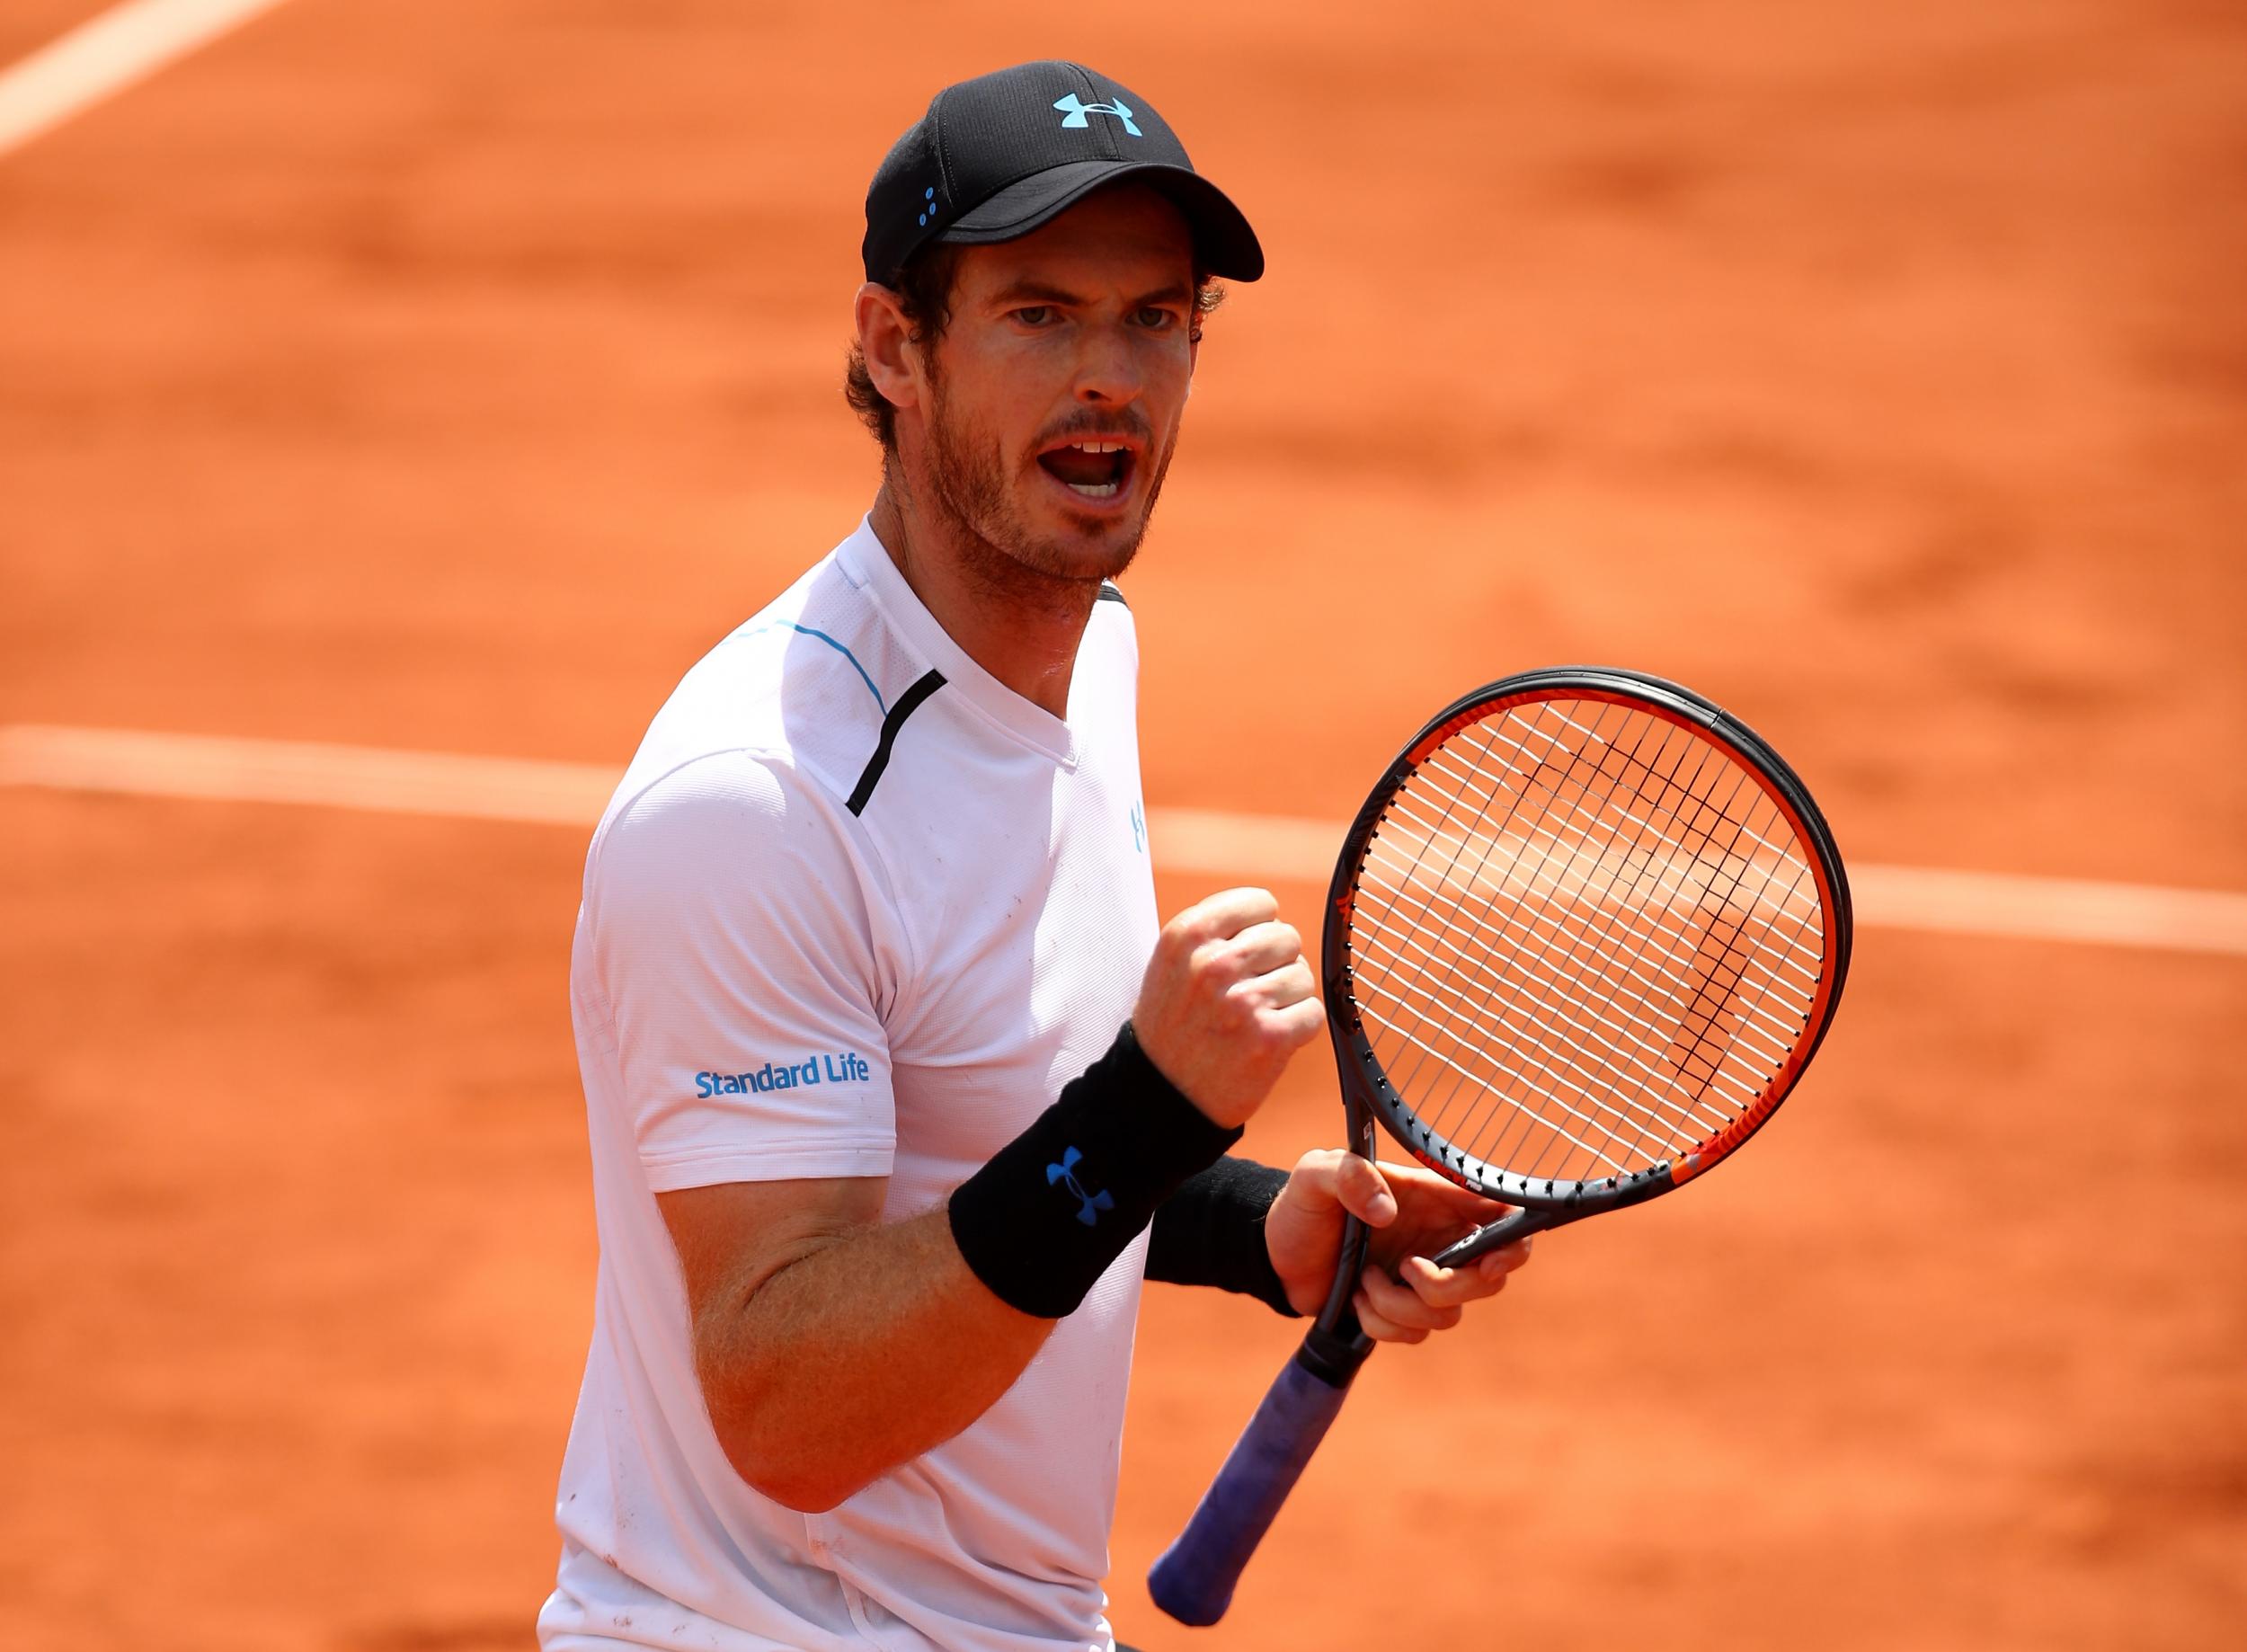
1021, 625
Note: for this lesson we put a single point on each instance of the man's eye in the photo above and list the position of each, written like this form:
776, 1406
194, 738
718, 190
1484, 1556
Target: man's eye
1154, 317
1034, 315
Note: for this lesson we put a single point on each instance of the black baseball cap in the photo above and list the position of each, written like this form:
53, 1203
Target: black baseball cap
998, 156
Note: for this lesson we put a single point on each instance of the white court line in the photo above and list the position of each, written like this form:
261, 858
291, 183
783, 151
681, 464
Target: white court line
483, 788
1993, 903
1198, 840
101, 58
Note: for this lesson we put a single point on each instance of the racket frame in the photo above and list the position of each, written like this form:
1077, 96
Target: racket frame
1193, 1579
1545, 1202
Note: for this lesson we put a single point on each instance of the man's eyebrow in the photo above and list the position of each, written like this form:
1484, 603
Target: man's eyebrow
1028, 291
1034, 292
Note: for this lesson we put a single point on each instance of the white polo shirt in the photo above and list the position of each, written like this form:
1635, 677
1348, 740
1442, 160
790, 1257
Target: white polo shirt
856, 909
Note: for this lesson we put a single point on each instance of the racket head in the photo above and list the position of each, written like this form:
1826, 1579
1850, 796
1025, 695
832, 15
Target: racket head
1582, 940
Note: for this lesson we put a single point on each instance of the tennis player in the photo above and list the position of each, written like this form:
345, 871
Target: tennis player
897, 1087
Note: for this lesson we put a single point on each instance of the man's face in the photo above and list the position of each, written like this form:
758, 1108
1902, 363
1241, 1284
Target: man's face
1055, 391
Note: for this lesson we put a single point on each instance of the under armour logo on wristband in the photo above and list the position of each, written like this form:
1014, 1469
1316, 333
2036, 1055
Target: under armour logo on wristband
1090, 1204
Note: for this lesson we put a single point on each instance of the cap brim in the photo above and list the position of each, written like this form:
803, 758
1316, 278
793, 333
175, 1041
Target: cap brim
1222, 236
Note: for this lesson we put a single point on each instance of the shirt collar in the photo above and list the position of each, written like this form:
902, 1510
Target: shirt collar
866, 563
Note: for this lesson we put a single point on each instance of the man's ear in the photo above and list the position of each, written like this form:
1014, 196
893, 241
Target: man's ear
885, 338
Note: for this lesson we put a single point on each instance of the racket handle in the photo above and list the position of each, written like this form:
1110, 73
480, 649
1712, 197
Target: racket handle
1194, 1578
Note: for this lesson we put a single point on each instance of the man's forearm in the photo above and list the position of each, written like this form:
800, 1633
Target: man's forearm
865, 1352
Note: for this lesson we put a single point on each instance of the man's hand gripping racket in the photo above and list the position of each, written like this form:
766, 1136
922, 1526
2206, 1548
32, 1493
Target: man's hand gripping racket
1582, 940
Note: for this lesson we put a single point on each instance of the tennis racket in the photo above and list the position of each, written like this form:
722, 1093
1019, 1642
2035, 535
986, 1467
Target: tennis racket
1582, 940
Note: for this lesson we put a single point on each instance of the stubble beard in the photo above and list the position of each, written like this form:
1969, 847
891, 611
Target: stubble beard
969, 484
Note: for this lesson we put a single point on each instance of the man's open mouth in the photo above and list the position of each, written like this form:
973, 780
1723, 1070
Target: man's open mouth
1095, 466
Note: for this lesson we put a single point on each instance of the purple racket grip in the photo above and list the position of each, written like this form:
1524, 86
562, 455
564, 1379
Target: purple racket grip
1194, 1578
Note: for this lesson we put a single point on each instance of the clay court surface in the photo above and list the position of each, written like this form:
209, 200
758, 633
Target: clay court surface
407, 373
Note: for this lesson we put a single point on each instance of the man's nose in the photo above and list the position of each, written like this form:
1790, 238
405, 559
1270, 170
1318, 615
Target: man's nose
1109, 372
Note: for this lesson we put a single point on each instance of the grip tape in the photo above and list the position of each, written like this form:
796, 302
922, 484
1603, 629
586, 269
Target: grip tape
1193, 1580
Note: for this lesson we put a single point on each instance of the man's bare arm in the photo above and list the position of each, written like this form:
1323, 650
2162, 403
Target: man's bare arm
830, 1349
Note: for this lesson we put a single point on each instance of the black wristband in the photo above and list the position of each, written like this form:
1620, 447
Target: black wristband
1042, 1221
1210, 1232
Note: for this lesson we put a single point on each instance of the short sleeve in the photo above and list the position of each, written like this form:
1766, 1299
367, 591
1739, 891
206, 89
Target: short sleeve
734, 941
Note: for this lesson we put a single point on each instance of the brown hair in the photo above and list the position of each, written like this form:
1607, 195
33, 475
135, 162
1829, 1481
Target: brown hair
924, 293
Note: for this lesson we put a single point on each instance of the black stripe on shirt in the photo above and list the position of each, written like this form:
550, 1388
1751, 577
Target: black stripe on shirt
907, 704
1108, 593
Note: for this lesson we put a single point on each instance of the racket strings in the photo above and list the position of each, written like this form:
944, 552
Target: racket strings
1643, 978
1576, 1071
1593, 792
1644, 828
1585, 1079
1543, 852
1584, 940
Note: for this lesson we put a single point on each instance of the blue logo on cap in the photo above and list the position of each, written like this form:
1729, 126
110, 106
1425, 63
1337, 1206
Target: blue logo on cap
1073, 113
929, 210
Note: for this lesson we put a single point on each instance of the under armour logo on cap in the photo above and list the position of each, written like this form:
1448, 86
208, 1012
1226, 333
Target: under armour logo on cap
1074, 113
999, 156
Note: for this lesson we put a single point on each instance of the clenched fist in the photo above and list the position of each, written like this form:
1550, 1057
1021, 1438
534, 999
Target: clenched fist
1227, 999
